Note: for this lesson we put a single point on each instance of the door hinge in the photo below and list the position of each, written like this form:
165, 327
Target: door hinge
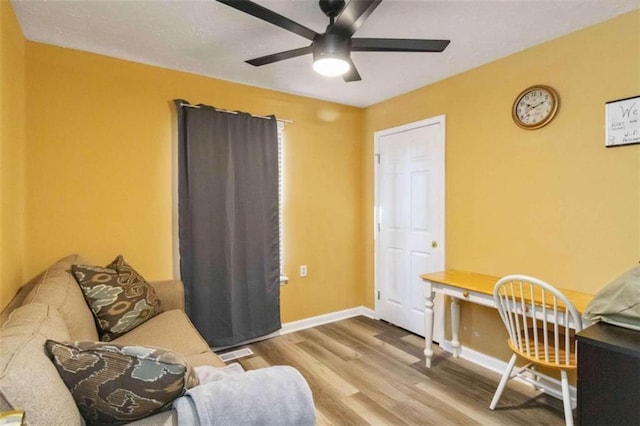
378, 294
378, 226
377, 158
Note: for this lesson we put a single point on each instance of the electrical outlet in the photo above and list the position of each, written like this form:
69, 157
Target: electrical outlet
303, 270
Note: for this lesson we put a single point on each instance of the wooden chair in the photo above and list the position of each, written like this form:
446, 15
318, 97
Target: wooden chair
541, 323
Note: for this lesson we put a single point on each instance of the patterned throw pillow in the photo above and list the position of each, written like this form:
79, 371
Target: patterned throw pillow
114, 384
119, 297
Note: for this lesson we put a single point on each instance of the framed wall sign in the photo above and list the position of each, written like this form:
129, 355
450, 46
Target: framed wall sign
622, 121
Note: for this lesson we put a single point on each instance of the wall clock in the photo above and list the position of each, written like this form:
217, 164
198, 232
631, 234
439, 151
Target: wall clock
535, 107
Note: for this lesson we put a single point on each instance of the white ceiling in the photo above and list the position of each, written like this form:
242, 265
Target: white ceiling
206, 37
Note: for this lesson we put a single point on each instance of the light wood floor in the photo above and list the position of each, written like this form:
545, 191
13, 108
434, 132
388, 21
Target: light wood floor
363, 371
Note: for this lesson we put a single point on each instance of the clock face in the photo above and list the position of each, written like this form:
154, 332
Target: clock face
535, 107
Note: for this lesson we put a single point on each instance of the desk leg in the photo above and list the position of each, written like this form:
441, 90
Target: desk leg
428, 323
455, 324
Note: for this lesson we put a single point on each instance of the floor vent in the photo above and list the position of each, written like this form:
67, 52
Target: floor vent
240, 353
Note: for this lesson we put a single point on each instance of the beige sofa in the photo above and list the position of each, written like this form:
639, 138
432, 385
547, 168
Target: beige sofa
52, 306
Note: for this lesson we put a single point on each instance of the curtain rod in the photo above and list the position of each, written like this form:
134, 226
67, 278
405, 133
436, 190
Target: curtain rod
236, 112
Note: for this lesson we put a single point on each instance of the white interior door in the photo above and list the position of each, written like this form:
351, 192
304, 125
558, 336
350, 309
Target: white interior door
410, 220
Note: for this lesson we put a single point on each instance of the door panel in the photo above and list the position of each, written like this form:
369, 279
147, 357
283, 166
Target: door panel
419, 263
420, 204
395, 291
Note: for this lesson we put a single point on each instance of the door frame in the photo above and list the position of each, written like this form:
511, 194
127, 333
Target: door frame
438, 328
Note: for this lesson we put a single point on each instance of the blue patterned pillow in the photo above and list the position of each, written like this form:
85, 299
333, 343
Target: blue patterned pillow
119, 297
114, 384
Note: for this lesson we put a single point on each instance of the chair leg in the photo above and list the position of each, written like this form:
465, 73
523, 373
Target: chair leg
566, 399
503, 382
534, 377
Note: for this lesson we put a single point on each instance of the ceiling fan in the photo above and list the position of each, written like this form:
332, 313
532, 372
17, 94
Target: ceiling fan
332, 49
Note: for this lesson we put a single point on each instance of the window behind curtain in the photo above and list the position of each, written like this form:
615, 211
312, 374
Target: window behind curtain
283, 278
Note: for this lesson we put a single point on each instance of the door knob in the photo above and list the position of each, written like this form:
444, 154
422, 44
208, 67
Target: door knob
434, 244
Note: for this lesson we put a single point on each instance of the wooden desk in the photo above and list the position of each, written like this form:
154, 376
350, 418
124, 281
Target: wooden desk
471, 287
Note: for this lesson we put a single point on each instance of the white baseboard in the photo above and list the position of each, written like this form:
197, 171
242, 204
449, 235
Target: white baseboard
292, 326
478, 358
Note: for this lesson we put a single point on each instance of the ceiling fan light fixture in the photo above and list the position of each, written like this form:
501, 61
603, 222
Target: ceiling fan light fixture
331, 66
331, 55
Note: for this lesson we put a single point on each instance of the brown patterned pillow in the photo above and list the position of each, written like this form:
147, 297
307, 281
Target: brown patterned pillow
114, 384
119, 297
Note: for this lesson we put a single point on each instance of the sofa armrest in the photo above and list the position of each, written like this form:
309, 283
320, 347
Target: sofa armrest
170, 293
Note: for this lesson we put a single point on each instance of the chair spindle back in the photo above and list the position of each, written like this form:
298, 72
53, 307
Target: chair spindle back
539, 319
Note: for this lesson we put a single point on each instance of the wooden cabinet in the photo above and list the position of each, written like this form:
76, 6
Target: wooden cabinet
608, 375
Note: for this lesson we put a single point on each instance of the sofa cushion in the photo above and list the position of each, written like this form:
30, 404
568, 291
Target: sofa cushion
119, 297
118, 383
207, 358
57, 287
28, 379
170, 330
170, 292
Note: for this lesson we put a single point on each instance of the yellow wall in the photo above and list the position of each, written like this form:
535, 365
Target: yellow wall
12, 149
100, 140
553, 202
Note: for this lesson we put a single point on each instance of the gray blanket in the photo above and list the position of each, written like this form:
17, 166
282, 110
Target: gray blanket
268, 396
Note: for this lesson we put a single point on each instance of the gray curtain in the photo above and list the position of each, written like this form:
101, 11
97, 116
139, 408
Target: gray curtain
228, 223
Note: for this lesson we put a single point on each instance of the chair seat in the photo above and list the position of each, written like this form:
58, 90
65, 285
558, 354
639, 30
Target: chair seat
540, 359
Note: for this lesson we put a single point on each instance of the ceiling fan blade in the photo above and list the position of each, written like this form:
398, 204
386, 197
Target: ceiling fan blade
271, 17
397, 45
353, 16
352, 74
280, 56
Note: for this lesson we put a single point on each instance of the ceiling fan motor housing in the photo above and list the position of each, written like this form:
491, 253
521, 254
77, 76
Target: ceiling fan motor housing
331, 45
331, 8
